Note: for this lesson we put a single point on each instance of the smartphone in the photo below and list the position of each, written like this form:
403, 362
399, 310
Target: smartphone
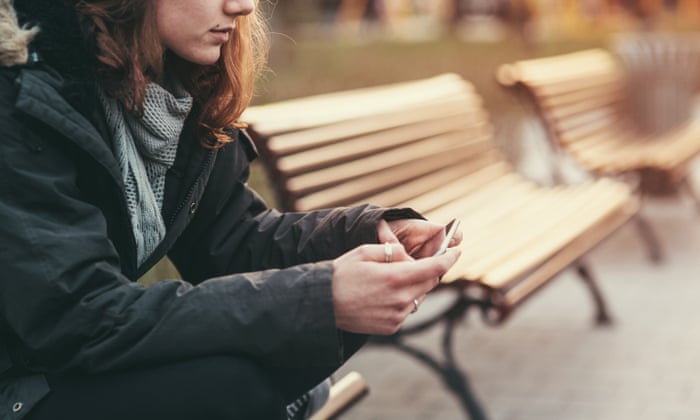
451, 230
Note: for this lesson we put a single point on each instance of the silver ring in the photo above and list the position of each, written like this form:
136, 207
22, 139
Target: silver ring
388, 252
415, 306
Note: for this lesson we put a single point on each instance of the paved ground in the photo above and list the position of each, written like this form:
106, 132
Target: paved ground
550, 363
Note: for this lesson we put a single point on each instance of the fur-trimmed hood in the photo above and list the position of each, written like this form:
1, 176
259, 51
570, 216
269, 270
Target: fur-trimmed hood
14, 38
49, 28
47, 33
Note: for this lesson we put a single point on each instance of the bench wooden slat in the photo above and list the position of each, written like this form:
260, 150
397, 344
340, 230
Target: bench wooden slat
569, 86
603, 130
553, 235
518, 230
478, 181
562, 70
290, 142
335, 107
474, 175
537, 278
608, 103
372, 143
498, 262
343, 393
371, 178
453, 199
573, 96
682, 146
592, 119
445, 149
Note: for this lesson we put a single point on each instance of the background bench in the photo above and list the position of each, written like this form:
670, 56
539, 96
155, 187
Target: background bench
428, 144
588, 106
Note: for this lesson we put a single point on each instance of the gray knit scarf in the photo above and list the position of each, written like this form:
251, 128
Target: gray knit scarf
145, 149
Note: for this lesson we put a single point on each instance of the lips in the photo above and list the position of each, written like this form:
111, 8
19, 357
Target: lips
221, 35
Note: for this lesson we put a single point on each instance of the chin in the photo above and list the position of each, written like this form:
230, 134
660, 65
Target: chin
202, 57
206, 61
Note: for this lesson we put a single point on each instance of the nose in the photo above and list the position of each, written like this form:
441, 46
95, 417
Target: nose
239, 7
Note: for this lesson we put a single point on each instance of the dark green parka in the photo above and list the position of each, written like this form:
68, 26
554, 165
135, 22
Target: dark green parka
68, 297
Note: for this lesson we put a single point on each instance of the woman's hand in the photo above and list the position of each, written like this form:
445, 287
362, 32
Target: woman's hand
374, 296
419, 237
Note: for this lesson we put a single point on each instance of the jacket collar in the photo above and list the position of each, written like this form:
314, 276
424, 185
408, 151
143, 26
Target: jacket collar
39, 97
50, 28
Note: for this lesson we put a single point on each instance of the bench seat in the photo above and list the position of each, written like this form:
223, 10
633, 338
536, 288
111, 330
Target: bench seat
428, 145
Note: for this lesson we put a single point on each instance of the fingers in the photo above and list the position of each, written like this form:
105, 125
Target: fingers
372, 296
457, 239
458, 236
420, 270
416, 303
401, 266
435, 242
382, 253
385, 233
411, 280
429, 247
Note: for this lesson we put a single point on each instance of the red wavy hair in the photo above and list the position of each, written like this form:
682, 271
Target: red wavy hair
129, 56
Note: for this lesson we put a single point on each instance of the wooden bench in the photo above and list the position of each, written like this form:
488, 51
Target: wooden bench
343, 394
584, 102
428, 144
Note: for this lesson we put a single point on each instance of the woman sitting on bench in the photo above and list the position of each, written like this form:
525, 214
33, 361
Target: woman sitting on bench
120, 146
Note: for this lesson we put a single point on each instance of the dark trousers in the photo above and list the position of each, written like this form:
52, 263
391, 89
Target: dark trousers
208, 388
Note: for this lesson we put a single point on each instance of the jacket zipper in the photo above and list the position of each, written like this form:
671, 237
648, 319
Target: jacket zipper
190, 192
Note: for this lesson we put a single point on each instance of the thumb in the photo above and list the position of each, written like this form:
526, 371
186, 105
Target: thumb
385, 234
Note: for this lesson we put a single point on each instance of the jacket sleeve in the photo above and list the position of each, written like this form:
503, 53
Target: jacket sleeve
64, 299
234, 231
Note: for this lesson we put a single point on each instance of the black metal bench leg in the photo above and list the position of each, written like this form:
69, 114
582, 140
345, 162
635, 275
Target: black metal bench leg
452, 376
602, 315
456, 379
650, 239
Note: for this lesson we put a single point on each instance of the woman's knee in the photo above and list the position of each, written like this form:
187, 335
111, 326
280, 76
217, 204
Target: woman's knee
232, 387
212, 388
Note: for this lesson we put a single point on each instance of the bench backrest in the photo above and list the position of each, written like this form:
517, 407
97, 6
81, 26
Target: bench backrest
580, 96
384, 145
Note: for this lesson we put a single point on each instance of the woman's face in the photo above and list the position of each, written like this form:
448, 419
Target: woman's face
195, 30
